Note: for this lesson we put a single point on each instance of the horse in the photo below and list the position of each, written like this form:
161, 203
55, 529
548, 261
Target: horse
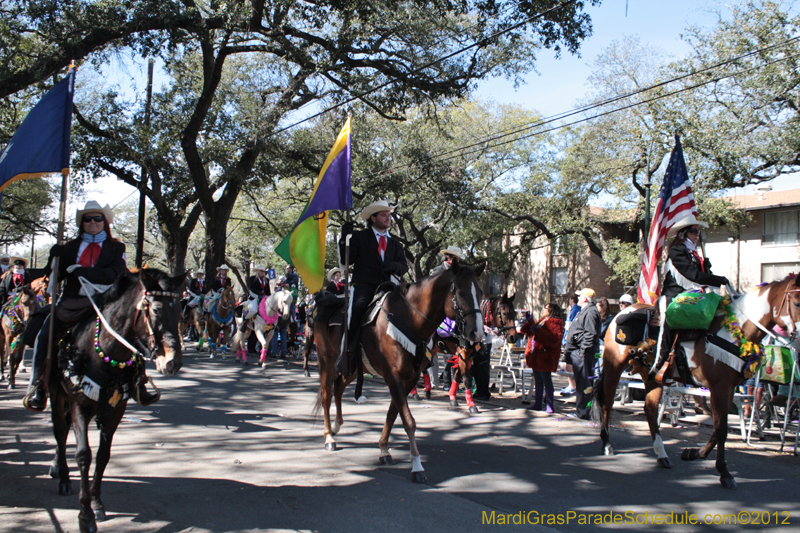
308, 344
407, 318
461, 356
763, 306
499, 313
197, 318
277, 305
96, 373
15, 318
219, 320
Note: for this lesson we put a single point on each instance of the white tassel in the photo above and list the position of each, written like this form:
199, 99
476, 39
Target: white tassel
723, 356
401, 339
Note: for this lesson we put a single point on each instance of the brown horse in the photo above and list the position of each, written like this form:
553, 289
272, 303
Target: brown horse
15, 318
499, 313
219, 319
771, 304
419, 308
94, 380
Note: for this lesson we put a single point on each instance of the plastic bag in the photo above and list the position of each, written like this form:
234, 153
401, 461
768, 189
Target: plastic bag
692, 310
777, 365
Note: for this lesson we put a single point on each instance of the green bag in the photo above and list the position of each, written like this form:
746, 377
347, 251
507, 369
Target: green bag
692, 310
777, 365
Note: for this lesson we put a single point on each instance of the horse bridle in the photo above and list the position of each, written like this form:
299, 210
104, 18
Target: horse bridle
461, 316
155, 338
786, 303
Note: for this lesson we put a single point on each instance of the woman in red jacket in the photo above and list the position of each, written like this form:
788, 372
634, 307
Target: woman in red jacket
543, 352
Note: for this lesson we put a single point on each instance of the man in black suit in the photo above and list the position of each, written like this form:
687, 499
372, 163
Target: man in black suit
375, 257
17, 278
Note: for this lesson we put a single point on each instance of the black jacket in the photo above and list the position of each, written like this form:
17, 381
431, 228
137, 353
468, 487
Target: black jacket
109, 266
688, 266
194, 286
335, 288
217, 283
365, 261
584, 332
254, 285
7, 285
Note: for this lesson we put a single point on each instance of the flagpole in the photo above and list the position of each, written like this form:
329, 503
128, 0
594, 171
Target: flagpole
346, 359
62, 208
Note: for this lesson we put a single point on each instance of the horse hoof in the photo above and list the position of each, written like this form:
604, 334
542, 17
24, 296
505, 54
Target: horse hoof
415, 396
418, 477
453, 403
307, 373
664, 462
427, 395
99, 513
386, 460
608, 450
65, 488
727, 483
330, 446
11, 385
690, 454
54, 470
473, 410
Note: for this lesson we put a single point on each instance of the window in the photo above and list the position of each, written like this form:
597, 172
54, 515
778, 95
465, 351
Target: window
560, 245
560, 280
782, 227
777, 271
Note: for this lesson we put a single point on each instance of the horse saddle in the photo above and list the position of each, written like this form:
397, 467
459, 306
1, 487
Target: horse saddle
632, 327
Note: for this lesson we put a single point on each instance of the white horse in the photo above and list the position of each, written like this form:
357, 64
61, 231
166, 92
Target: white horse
263, 323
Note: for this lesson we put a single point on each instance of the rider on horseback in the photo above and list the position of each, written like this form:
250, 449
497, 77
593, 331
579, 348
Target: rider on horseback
99, 258
375, 257
15, 280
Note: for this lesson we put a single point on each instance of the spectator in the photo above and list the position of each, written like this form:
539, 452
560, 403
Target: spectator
574, 309
582, 347
543, 352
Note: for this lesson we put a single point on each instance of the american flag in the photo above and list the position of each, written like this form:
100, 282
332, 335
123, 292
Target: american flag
674, 201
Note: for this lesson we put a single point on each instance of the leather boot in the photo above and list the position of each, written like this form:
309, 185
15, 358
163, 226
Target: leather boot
36, 399
144, 397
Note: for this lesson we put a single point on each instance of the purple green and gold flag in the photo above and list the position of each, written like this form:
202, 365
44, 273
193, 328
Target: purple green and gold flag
304, 247
40, 145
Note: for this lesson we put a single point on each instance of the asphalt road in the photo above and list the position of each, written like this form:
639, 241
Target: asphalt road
232, 448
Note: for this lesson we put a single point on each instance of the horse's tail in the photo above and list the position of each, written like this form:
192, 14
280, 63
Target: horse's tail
317, 410
599, 398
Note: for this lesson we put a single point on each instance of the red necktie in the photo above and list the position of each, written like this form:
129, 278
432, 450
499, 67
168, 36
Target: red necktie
200, 284
18, 279
90, 255
699, 260
382, 245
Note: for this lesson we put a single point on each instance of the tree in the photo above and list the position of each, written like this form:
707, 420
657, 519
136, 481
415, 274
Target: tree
388, 55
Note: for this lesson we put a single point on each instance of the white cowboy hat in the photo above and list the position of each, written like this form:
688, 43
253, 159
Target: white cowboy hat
333, 271
223, 267
258, 267
626, 298
199, 271
15, 258
94, 207
453, 250
376, 207
685, 222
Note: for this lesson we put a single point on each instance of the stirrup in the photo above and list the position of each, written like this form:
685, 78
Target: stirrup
26, 401
153, 399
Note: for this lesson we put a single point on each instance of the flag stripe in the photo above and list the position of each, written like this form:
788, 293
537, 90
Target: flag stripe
675, 200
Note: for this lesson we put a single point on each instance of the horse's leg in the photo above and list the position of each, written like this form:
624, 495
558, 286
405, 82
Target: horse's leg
383, 442
83, 457
721, 394
398, 393
651, 403
464, 367
339, 386
326, 378
12, 370
101, 459
309, 345
264, 340
61, 416
613, 364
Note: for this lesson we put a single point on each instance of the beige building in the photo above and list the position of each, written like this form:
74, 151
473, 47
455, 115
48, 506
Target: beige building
766, 250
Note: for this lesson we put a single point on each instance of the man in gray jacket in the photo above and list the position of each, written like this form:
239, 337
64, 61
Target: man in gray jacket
583, 344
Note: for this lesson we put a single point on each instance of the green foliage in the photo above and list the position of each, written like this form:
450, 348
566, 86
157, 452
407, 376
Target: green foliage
625, 261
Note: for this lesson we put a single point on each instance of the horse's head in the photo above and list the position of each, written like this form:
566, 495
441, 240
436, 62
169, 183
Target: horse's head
161, 309
284, 299
790, 314
227, 298
462, 303
505, 317
26, 300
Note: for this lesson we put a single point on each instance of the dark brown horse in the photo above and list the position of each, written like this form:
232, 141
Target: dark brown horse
95, 380
500, 314
15, 318
771, 304
420, 307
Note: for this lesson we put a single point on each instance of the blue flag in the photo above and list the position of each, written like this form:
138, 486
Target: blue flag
41, 144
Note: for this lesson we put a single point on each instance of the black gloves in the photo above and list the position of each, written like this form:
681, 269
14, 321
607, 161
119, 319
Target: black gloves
57, 250
347, 229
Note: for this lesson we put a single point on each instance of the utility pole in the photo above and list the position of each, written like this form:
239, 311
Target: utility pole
145, 175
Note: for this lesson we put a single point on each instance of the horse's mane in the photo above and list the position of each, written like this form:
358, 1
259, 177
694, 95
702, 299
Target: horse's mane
125, 282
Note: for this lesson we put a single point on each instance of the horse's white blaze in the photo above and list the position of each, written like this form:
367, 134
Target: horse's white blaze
416, 464
658, 447
479, 319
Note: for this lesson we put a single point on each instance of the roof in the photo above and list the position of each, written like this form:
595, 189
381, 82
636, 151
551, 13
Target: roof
766, 200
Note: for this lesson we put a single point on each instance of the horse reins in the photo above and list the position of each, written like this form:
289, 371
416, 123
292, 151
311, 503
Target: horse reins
144, 305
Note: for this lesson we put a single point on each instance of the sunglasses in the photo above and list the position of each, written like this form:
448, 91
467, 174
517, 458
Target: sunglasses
693, 231
95, 218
